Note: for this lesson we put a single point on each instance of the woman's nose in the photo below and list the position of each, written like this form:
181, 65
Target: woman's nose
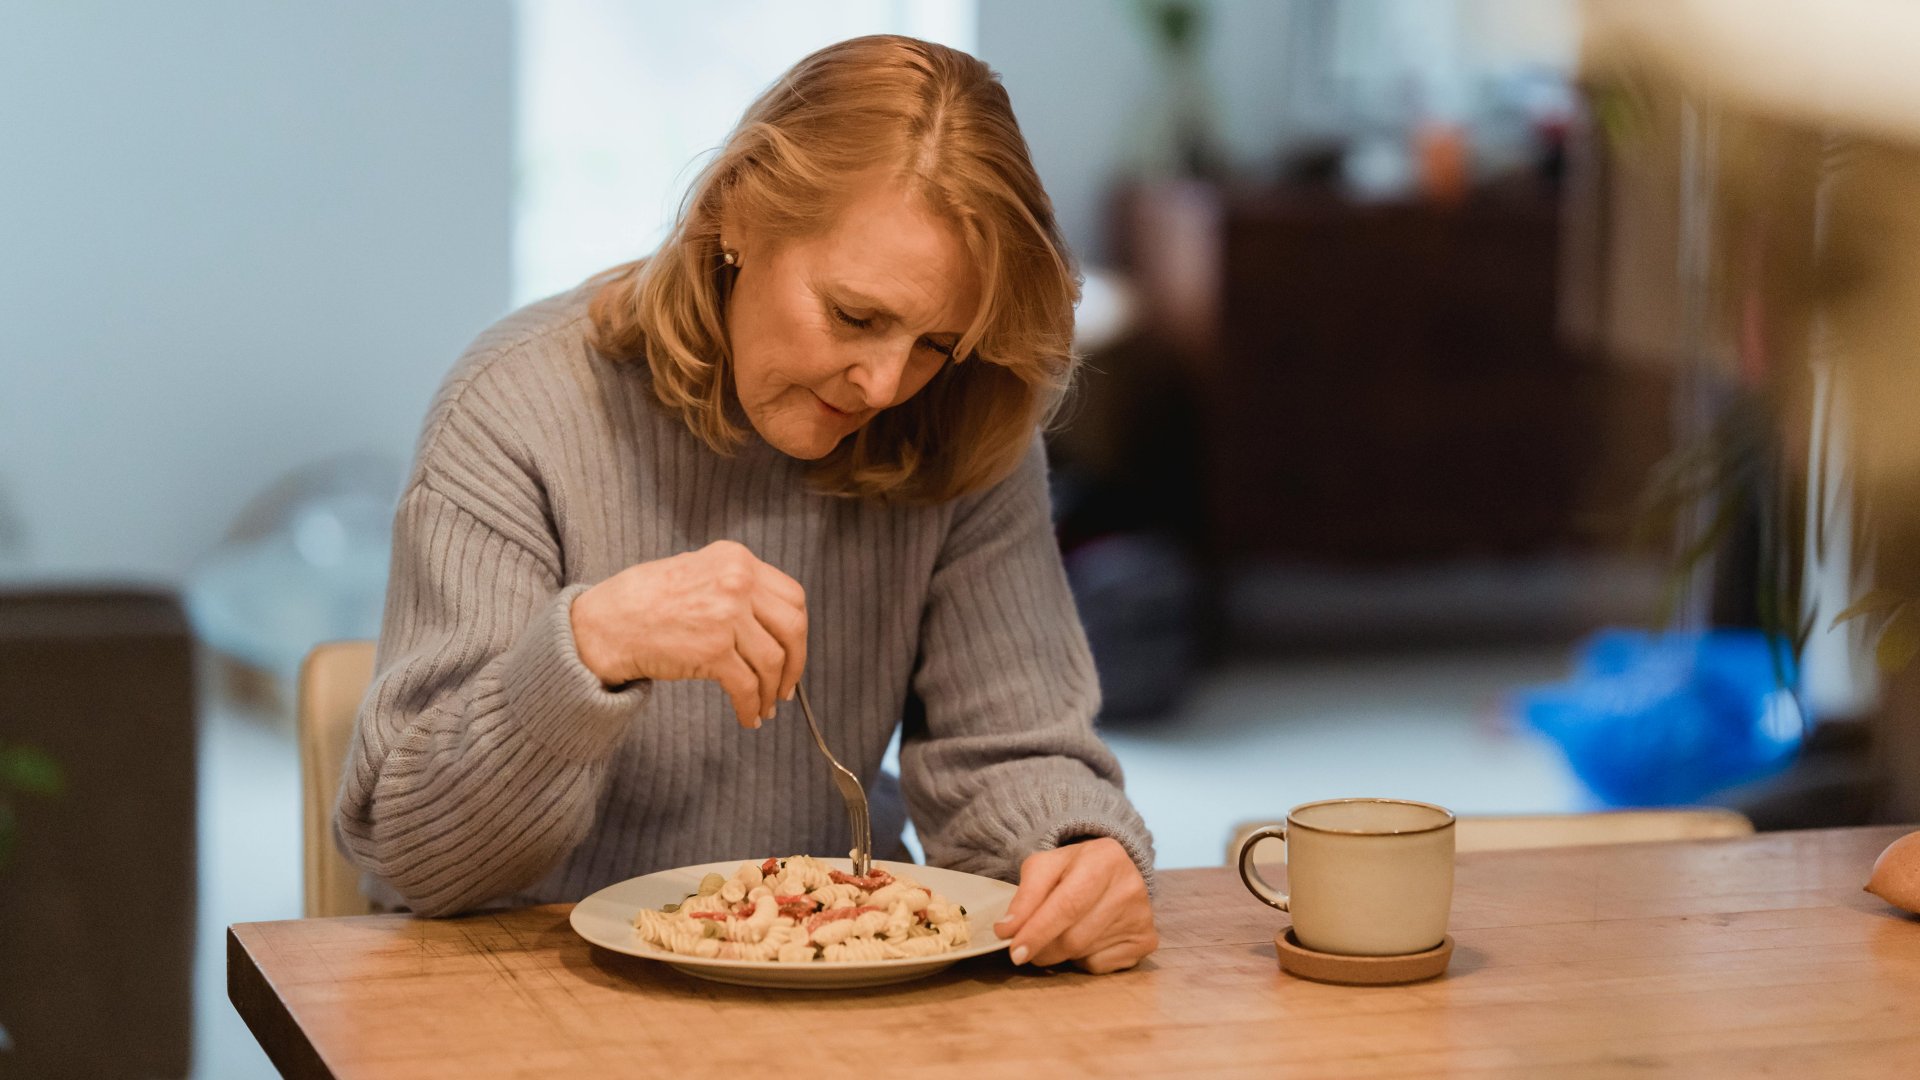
878, 375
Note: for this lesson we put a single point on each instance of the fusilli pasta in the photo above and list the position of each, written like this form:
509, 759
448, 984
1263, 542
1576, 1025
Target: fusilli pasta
799, 911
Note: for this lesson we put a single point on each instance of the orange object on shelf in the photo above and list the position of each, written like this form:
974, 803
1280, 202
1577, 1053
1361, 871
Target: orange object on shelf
1440, 151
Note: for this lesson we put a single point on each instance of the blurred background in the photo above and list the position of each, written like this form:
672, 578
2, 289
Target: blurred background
1502, 403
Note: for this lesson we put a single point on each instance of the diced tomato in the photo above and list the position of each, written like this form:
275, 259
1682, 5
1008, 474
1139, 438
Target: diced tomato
797, 908
716, 916
770, 867
836, 914
875, 879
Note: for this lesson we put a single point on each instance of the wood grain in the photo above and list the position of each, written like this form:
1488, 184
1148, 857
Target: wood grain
1739, 957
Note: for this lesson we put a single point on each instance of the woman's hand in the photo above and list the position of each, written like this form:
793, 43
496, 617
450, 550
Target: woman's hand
1084, 902
718, 613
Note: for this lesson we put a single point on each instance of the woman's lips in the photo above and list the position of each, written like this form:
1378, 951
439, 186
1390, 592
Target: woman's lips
828, 408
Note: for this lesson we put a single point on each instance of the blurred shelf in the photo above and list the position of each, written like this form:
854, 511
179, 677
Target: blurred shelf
1386, 383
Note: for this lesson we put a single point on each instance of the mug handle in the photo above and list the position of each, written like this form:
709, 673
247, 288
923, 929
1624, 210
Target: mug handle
1251, 878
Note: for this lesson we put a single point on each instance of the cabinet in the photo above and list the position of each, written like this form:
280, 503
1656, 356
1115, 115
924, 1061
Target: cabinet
1386, 383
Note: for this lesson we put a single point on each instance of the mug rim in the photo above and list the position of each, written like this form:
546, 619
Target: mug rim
1447, 824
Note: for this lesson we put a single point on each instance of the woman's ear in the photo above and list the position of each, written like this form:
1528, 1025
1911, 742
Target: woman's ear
730, 252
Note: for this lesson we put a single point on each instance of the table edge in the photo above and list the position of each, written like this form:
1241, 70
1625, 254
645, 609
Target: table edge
253, 996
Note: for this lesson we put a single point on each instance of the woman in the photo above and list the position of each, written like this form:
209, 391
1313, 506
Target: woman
801, 438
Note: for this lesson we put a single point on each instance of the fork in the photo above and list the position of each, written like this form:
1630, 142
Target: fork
850, 791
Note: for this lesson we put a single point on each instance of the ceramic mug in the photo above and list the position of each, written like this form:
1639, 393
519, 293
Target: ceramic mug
1369, 877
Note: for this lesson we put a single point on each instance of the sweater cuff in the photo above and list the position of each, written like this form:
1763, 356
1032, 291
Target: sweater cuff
1043, 818
1089, 826
562, 705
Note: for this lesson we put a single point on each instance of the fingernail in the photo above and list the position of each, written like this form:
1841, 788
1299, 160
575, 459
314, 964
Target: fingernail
756, 724
769, 715
1020, 954
788, 696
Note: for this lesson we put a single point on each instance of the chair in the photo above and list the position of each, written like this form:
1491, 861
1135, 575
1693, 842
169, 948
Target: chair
1506, 832
332, 681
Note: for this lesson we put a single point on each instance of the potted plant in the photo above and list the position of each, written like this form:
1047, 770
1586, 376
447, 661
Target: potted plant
24, 771
1795, 203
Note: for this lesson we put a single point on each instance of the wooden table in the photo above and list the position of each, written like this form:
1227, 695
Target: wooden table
1758, 956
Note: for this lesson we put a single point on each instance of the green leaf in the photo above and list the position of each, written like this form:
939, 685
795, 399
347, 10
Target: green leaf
1803, 634
1899, 642
1817, 475
1874, 613
30, 771
1877, 602
1717, 530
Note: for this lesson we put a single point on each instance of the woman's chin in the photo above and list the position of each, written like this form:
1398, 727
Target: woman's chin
811, 452
808, 443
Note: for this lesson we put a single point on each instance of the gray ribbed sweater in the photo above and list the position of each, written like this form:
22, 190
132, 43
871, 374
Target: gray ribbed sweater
489, 766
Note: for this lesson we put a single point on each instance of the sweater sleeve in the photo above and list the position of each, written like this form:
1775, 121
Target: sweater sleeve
483, 743
1003, 760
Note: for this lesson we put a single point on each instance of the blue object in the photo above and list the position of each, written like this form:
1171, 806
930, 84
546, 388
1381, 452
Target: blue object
1663, 720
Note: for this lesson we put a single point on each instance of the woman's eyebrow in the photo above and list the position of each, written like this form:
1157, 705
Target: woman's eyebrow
860, 299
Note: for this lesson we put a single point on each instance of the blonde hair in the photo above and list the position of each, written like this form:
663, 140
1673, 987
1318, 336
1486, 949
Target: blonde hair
941, 119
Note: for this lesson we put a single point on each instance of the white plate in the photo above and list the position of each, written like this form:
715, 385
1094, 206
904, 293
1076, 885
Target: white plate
606, 919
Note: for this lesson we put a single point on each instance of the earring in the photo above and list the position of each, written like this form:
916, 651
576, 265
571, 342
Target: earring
730, 257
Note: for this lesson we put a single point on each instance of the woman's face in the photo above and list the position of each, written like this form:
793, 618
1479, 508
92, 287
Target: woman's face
830, 329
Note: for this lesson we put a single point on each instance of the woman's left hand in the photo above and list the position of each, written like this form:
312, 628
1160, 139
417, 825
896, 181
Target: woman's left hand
1084, 902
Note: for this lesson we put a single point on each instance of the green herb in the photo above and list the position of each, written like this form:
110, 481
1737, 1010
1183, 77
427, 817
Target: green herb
24, 770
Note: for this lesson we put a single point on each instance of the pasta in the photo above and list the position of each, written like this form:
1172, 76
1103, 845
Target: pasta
800, 910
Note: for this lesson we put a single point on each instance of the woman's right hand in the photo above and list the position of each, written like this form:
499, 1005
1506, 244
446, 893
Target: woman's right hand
718, 613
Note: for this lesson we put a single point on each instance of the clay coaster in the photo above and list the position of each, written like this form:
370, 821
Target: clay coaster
1299, 961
